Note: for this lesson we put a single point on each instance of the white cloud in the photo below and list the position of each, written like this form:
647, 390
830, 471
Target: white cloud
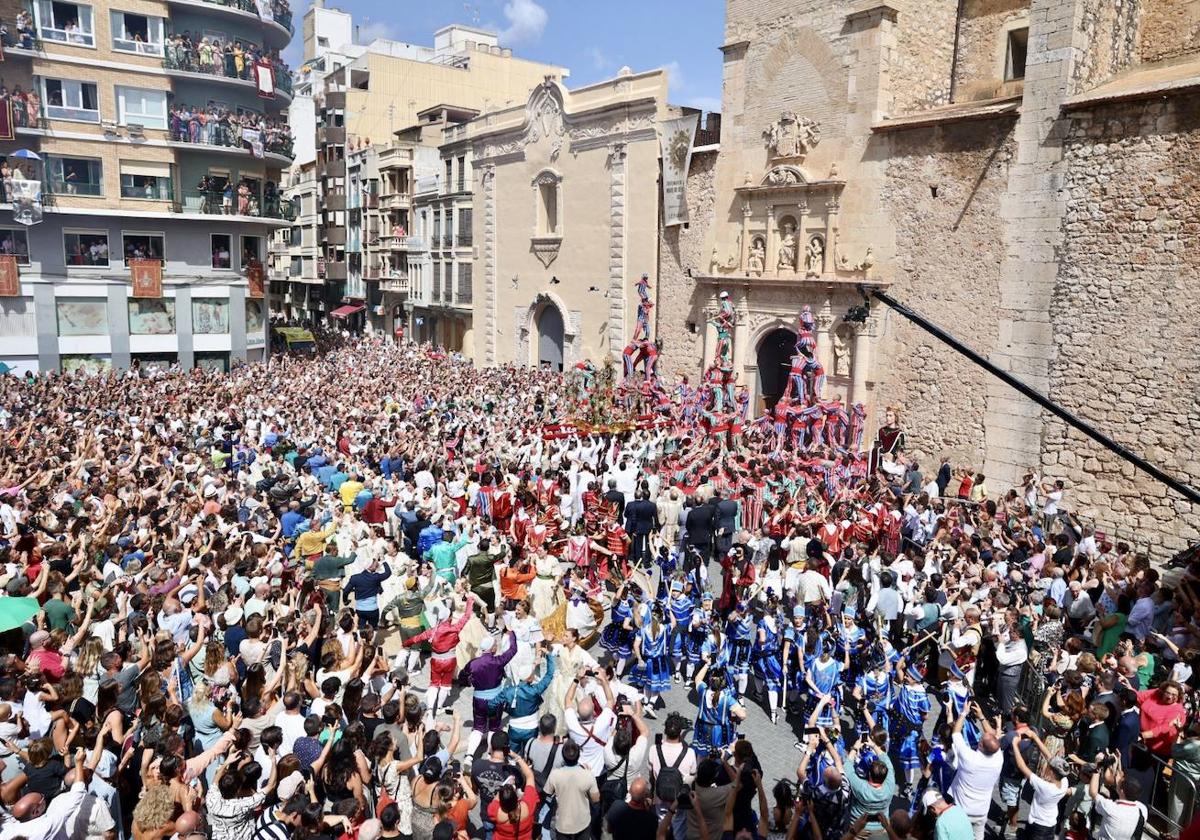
371, 30
599, 59
526, 21
675, 77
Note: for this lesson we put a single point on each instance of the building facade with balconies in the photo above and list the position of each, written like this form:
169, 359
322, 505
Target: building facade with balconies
160, 132
361, 96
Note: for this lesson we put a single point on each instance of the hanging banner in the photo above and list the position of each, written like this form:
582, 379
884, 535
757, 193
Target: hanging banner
264, 9
10, 276
6, 120
145, 278
254, 137
26, 197
264, 77
254, 280
676, 142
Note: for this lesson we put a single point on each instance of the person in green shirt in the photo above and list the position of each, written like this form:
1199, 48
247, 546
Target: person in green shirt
59, 613
327, 572
1186, 753
481, 575
952, 821
443, 555
872, 795
1109, 628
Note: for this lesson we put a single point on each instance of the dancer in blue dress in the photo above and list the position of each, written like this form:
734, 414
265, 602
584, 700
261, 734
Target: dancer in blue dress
876, 692
959, 697
740, 632
718, 712
912, 707
794, 639
824, 679
617, 637
698, 631
653, 671
681, 607
768, 667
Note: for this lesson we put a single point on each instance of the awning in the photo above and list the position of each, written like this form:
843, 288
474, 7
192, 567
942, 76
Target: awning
295, 335
156, 170
347, 310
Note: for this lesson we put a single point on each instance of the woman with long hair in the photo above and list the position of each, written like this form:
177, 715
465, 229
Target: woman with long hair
718, 711
653, 671
514, 813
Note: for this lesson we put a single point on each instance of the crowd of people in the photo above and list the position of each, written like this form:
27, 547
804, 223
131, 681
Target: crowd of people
231, 58
218, 125
252, 606
221, 196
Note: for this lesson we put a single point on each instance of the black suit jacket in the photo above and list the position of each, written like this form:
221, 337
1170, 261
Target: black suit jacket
727, 511
700, 523
641, 517
617, 499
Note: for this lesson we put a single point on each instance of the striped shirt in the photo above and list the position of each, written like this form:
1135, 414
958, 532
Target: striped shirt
270, 827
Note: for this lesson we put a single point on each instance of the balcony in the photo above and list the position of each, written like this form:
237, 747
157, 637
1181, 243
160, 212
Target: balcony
332, 168
335, 270
21, 35
395, 283
395, 201
279, 26
464, 240
395, 158
217, 134
334, 201
335, 134
335, 100
335, 236
179, 59
231, 204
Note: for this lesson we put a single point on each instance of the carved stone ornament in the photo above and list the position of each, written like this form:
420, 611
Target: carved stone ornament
784, 176
544, 113
792, 136
545, 248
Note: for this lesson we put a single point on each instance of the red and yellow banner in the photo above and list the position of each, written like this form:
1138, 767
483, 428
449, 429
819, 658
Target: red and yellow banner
145, 278
10, 276
254, 280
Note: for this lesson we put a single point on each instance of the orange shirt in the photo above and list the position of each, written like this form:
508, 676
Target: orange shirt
512, 583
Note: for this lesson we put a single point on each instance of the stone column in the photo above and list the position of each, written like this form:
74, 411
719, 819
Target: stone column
710, 340
824, 317
801, 238
741, 335
860, 364
771, 266
831, 224
745, 255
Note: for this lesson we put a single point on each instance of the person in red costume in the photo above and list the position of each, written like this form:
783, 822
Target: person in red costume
443, 639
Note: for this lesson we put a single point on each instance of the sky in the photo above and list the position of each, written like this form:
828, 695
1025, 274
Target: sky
593, 40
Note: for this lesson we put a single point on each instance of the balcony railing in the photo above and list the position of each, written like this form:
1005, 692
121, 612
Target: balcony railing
279, 13
164, 190
190, 59
68, 36
218, 203
464, 240
216, 129
139, 47
56, 186
20, 34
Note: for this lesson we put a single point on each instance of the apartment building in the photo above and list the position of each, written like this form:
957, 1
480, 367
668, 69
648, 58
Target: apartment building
362, 95
155, 131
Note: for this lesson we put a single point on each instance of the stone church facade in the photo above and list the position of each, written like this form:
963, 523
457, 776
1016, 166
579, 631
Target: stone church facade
1025, 173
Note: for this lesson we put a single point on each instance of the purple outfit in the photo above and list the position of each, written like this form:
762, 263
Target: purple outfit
485, 673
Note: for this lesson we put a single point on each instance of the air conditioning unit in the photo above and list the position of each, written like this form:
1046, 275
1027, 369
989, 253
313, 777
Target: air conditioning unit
135, 130
109, 126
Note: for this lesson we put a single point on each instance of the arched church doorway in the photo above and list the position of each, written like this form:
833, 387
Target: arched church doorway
550, 338
774, 361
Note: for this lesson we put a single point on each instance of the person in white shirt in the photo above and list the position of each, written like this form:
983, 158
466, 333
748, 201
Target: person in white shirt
290, 722
33, 818
1011, 655
978, 773
1119, 818
589, 730
1048, 790
665, 752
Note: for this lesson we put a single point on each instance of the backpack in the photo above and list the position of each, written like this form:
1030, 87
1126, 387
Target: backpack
614, 789
540, 776
668, 781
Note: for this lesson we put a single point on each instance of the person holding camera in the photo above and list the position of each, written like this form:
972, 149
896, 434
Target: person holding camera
1122, 817
1049, 787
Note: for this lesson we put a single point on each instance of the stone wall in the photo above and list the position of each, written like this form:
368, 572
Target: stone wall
948, 254
1169, 28
920, 68
983, 46
1126, 314
682, 248
1110, 27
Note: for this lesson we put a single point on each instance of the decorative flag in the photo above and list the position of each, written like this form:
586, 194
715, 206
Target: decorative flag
264, 76
145, 278
676, 142
6, 120
10, 276
254, 138
26, 198
264, 9
254, 280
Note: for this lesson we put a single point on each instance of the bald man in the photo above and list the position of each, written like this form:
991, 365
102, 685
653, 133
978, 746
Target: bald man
978, 774
34, 819
635, 819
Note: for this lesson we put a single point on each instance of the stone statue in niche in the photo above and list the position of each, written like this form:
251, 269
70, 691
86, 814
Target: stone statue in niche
787, 248
816, 256
841, 354
792, 136
757, 258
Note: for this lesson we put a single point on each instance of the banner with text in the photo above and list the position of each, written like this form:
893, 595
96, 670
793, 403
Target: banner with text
676, 140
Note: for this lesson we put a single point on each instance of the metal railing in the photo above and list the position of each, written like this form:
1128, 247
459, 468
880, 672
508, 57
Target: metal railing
192, 59
282, 16
219, 131
1169, 794
218, 203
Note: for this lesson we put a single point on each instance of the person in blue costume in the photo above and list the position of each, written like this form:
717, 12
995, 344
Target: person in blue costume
821, 752
852, 639
681, 606
765, 657
794, 638
718, 713
617, 637
958, 699
824, 680
739, 634
652, 674
698, 631
523, 700
875, 690
912, 706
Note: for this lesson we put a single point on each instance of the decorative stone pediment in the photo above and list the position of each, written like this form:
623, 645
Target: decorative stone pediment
545, 248
784, 176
